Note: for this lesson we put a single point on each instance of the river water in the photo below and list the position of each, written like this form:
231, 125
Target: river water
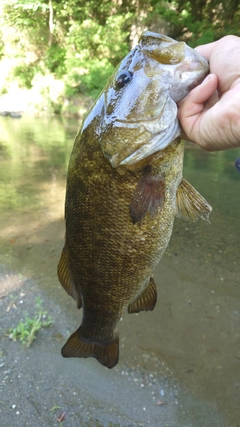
190, 343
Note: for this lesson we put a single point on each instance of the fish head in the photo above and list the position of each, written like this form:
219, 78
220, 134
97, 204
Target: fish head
184, 68
140, 111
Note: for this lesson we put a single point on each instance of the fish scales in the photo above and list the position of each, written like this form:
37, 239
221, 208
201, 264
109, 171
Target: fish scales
115, 249
121, 198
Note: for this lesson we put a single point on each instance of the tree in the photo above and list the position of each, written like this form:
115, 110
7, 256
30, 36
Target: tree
81, 42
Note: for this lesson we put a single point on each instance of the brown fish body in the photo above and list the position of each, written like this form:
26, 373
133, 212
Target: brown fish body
118, 224
107, 251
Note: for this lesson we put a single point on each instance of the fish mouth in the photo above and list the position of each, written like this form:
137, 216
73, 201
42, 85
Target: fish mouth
131, 123
140, 120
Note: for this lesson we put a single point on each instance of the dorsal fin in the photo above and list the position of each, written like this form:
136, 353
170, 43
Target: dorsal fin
148, 196
64, 276
190, 205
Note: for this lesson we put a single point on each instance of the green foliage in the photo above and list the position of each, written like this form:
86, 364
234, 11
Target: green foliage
90, 80
82, 42
1, 45
55, 60
49, 91
26, 331
29, 5
25, 73
97, 76
29, 18
93, 52
205, 37
198, 21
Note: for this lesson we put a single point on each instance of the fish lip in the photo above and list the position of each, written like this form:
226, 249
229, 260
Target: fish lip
132, 122
136, 121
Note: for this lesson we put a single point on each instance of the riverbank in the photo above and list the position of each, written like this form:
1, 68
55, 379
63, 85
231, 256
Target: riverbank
45, 101
40, 388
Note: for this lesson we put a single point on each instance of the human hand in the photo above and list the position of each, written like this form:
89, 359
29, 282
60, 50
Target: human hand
210, 114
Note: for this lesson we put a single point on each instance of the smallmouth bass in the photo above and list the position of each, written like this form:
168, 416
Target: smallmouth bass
124, 188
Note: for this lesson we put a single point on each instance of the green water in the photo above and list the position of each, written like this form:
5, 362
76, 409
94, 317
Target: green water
195, 328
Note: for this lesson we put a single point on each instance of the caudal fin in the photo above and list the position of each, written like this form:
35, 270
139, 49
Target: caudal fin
106, 352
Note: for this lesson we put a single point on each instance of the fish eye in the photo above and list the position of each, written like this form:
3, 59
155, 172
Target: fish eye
123, 78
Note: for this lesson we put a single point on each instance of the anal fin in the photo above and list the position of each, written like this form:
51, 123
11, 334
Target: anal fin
148, 196
190, 205
64, 276
146, 300
106, 352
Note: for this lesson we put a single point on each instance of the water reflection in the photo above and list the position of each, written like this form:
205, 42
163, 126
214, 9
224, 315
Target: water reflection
32, 152
195, 326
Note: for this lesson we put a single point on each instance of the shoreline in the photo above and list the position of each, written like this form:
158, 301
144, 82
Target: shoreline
18, 102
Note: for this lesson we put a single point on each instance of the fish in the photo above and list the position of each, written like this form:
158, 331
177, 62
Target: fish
124, 189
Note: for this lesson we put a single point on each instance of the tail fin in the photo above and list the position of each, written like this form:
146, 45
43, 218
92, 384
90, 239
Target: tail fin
106, 352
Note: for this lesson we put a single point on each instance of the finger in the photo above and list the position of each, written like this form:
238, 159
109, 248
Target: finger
212, 100
206, 49
194, 103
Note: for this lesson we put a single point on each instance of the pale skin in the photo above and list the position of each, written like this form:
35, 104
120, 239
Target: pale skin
210, 114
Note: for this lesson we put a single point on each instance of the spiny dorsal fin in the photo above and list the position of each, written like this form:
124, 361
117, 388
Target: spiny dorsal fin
146, 300
148, 196
190, 204
106, 352
65, 278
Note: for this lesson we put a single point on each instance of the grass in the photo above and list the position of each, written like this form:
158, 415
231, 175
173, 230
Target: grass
26, 331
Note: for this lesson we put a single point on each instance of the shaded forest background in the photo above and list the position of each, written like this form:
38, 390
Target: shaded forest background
61, 50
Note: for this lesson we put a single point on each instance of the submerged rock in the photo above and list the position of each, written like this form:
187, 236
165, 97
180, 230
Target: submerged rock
13, 114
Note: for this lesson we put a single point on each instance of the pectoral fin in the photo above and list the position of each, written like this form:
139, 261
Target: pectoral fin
146, 300
190, 204
64, 276
148, 196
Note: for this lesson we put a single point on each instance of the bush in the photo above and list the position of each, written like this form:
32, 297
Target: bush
48, 93
93, 52
24, 74
55, 60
